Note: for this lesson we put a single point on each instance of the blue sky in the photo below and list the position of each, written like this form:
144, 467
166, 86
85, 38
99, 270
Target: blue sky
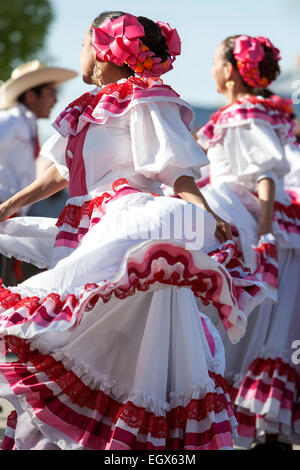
202, 25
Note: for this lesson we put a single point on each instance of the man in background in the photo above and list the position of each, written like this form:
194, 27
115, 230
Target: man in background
27, 96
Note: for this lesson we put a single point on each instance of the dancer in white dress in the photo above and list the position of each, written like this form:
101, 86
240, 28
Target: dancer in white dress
113, 351
292, 147
246, 144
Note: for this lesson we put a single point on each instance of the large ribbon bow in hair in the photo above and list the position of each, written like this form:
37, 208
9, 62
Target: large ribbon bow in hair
119, 41
271, 46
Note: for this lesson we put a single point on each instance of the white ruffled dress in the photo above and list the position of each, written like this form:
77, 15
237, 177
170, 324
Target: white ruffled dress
113, 352
245, 143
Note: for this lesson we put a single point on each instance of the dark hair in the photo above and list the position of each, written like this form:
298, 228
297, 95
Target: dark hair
268, 67
37, 90
264, 92
154, 39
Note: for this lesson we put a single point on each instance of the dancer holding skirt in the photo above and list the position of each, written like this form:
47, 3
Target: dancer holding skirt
113, 352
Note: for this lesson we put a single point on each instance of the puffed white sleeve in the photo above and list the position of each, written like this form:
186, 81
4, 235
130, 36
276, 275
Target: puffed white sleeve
54, 149
202, 139
163, 148
256, 153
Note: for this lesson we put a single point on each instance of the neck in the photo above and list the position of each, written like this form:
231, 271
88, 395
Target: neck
114, 76
235, 95
116, 79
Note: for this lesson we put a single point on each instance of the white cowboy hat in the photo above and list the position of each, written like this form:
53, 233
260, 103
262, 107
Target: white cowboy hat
28, 76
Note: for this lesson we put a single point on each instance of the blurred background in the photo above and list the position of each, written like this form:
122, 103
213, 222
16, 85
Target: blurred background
53, 31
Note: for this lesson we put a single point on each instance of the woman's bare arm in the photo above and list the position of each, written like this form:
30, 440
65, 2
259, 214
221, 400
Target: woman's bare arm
45, 186
187, 189
266, 194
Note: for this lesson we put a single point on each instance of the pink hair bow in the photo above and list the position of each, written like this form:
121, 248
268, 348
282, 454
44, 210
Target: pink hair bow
116, 40
248, 49
249, 52
172, 38
119, 41
268, 43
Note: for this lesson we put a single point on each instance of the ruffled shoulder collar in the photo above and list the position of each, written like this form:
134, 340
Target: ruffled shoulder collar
251, 109
113, 100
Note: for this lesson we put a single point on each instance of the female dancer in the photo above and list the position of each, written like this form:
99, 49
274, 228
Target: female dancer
245, 143
113, 351
292, 149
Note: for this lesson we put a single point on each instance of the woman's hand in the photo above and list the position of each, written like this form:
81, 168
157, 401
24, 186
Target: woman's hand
223, 230
6, 211
45, 186
187, 189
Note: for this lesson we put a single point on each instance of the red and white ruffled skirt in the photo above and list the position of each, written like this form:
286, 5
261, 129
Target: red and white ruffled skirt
112, 350
265, 381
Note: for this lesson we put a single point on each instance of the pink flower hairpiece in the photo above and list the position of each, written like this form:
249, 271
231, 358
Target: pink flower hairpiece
249, 52
271, 46
119, 41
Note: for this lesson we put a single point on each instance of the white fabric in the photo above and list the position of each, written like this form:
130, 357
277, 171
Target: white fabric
17, 146
149, 349
242, 154
29, 239
54, 149
229, 203
272, 329
148, 146
130, 226
248, 153
126, 224
292, 179
156, 156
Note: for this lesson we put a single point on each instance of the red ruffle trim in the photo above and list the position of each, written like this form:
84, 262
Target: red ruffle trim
124, 90
8, 442
204, 284
272, 367
72, 214
134, 416
12, 420
255, 389
292, 213
282, 115
267, 264
118, 95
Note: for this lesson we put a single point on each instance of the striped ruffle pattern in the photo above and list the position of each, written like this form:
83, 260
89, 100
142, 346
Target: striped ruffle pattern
90, 418
267, 402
